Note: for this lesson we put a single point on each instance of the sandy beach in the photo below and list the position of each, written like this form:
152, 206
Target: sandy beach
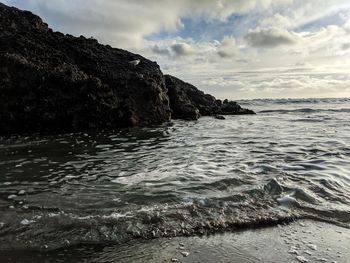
302, 241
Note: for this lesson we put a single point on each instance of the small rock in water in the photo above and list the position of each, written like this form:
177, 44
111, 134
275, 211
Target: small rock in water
181, 248
174, 260
312, 246
322, 259
302, 259
293, 251
21, 192
185, 253
308, 253
219, 117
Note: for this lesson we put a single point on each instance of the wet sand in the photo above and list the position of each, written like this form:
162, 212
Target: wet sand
302, 241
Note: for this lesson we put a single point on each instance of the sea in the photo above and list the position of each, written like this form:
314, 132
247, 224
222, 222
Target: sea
290, 161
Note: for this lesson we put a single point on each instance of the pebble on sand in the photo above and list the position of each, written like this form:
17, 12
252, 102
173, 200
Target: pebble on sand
312, 246
302, 259
185, 253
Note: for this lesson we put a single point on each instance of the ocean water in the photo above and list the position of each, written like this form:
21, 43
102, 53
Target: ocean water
290, 161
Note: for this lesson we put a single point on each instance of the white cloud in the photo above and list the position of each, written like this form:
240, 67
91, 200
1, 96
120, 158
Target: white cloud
266, 34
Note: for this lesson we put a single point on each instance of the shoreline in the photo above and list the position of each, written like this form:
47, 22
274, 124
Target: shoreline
300, 241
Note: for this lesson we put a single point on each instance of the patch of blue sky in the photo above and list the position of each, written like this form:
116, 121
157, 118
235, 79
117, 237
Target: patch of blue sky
199, 29
335, 18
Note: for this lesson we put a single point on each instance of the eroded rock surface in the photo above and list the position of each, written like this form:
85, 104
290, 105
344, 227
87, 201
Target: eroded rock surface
187, 102
51, 82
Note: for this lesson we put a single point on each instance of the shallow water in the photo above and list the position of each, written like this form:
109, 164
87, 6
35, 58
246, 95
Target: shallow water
291, 160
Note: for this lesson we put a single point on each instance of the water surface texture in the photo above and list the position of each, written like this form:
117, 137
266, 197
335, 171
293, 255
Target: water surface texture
290, 161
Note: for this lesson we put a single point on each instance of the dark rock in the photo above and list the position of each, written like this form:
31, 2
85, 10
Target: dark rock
181, 103
233, 108
51, 82
55, 82
219, 117
186, 101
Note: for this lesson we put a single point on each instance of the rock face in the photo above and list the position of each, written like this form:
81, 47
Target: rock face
55, 82
187, 102
51, 82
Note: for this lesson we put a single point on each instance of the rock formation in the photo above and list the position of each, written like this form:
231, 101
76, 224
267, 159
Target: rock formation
187, 102
51, 82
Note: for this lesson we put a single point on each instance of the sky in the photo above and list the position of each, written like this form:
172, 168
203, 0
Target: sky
238, 49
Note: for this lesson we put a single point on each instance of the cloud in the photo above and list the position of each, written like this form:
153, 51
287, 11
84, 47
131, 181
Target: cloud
182, 36
270, 38
227, 48
278, 21
182, 49
126, 23
161, 50
345, 46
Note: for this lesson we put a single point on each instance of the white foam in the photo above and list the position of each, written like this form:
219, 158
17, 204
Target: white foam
12, 196
26, 222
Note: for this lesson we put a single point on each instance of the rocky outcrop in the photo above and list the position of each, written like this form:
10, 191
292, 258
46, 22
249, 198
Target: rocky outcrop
187, 102
55, 82
51, 82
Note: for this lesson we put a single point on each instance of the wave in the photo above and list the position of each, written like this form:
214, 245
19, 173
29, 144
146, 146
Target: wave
305, 110
271, 204
257, 102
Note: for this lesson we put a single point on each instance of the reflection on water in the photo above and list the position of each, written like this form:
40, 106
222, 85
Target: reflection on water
186, 178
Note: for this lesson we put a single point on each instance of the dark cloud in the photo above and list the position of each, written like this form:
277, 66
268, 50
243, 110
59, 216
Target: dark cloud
270, 38
182, 49
160, 51
225, 54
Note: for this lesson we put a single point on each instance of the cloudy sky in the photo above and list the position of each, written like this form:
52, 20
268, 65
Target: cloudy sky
231, 48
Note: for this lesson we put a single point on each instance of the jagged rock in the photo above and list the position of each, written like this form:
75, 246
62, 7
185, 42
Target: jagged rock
186, 101
51, 82
233, 108
55, 82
